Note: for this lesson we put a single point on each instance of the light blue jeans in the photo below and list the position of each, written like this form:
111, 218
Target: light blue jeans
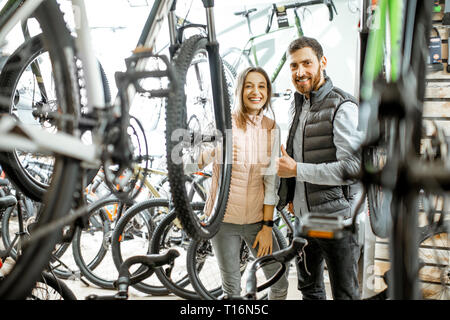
226, 245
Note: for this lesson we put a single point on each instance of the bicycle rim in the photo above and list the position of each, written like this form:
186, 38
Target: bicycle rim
132, 236
170, 235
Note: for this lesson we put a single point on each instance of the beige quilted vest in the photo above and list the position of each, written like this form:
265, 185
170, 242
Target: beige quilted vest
251, 155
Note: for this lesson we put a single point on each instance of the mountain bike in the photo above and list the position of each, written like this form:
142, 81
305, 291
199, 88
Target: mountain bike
111, 145
240, 58
155, 239
94, 243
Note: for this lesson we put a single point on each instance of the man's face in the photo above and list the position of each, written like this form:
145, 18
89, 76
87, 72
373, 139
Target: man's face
306, 70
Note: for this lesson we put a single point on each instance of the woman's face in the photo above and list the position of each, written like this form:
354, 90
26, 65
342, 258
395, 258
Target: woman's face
254, 93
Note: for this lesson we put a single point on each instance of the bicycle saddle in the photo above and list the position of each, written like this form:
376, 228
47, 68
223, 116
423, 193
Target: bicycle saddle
7, 201
245, 13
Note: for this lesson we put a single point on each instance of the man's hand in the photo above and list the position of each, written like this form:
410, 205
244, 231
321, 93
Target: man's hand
290, 208
287, 167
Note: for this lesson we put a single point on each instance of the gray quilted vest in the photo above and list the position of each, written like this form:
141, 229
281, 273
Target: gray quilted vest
318, 147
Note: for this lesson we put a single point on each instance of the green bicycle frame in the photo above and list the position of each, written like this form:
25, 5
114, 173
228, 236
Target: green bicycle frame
250, 43
388, 14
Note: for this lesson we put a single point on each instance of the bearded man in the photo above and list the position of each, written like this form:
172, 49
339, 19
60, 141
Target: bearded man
320, 153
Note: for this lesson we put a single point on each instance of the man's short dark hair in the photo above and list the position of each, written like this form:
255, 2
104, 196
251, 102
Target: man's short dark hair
306, 42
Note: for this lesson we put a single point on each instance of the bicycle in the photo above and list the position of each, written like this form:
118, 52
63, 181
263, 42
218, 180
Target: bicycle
28, 94
238, 59
111, 142
202, 266
392, 93
153, 239
47, 286
93, 243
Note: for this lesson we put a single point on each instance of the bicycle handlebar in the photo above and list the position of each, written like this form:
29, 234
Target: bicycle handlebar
283, 256
124, 280
296, 5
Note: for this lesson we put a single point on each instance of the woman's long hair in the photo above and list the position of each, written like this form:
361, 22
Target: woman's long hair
240, 110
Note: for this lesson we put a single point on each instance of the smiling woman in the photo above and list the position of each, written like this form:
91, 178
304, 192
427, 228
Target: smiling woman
254, 92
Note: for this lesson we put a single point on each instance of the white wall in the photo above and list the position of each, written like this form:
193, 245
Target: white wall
117, 28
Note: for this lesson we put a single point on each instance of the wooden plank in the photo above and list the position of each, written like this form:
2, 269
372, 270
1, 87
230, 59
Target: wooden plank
432, 291
382, 251
437, 90
381, 267
441, 75
381, 240
441, 240
434, 275
436, 109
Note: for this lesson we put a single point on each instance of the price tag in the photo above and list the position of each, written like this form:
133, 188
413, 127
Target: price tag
282, 17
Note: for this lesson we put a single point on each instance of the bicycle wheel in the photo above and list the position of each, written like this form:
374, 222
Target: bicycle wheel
28, 89
60, 262
169, 234
194, 185
194, 96
434, 260
59, 197
131, 237
92, 245
48, 287
236, 59
204, 272
379, 200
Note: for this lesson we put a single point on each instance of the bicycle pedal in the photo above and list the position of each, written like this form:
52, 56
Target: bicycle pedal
131, 76
322, 226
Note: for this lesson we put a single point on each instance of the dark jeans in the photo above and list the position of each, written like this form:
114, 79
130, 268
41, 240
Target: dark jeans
341, 257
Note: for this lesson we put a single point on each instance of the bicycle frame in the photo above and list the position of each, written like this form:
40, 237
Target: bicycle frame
249, 48
32, 139
398, 101
373, 66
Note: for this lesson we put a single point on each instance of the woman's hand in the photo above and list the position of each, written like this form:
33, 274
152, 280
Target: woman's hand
264, 239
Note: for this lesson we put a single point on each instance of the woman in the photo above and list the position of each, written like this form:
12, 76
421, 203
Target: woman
253, 195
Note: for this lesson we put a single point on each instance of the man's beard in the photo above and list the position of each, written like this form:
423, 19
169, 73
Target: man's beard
316, 78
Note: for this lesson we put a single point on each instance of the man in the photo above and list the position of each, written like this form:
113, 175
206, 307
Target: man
319, 155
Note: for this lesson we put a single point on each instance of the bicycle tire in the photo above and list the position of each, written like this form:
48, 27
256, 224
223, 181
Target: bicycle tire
162, 241
119, 239
7, 231
236, 59
380, 218
176, 119
404, 282
215, 293
196, 188
88, 258
22, 58
434, 254
49, 282
59, 198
